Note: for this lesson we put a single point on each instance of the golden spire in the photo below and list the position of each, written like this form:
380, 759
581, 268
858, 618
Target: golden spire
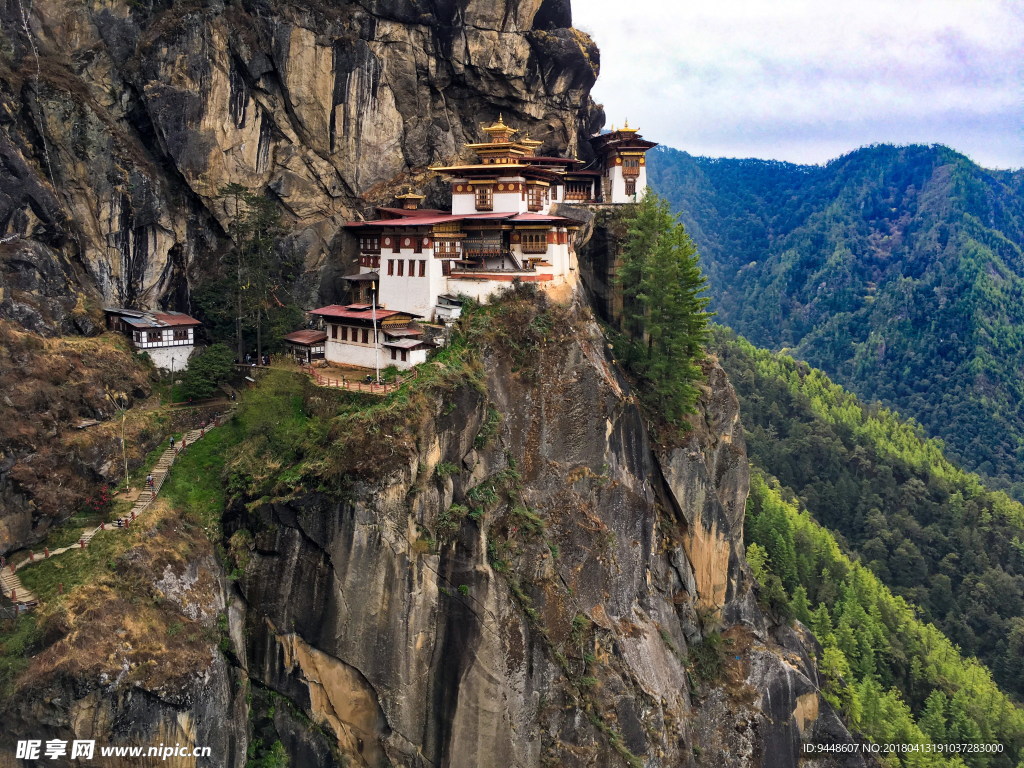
499, 132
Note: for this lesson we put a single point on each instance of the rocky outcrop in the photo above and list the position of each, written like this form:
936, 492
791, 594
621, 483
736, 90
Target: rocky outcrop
533, 585
120, 124
133, 661
522, 577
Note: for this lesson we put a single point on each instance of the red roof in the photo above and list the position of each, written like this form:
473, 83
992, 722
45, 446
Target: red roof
357, 312
409, 212
306, 337
408, 221
423, 221
536, 217
175, 318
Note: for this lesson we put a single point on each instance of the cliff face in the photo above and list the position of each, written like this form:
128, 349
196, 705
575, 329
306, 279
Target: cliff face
133, 661
522, 579
536, 584
120, 122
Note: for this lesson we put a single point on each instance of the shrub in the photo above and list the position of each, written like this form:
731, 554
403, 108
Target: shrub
205, 371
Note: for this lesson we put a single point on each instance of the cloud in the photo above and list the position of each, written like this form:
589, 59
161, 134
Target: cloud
792, 79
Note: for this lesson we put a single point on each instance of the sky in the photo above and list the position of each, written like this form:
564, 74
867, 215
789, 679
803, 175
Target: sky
809, 80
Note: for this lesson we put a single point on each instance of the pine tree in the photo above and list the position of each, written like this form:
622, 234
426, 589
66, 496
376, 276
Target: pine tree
801, 607
664, 325
256, 260
933, 718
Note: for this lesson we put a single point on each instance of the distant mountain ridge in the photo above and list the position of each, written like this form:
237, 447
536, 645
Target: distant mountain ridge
897, 270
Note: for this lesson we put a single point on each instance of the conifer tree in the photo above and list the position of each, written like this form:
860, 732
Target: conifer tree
258, 266
664, 325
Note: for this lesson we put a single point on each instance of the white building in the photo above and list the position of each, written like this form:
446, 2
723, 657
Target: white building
307, 346
622, 158
167, 337
362, 336
415, 262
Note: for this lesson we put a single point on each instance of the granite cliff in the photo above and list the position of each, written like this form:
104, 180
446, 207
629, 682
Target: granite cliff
506, 571
120, 123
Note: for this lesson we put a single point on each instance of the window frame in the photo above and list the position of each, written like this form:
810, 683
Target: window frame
483, 197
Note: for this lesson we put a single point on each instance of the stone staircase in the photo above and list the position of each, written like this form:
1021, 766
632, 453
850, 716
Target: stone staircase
22, 597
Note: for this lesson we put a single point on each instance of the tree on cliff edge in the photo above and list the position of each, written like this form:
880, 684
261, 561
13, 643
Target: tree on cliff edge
664, 325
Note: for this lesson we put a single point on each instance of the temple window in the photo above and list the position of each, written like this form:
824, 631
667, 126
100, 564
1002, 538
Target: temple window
535, 198
535, 242
484, 198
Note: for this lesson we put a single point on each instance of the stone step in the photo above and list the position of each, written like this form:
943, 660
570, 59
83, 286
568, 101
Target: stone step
9, 581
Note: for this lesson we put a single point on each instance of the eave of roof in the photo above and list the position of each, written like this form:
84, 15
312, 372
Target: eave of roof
347, 313
306, 337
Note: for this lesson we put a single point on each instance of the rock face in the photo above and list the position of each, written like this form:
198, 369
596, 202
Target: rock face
524, 579
132, 665
531, 585
121, 122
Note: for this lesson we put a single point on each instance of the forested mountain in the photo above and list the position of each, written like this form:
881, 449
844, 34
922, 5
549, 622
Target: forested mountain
927, 529
897, 270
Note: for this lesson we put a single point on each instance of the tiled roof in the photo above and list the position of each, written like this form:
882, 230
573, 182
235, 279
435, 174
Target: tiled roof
407, 343
358, 312
138, 318
423, 221
306, 337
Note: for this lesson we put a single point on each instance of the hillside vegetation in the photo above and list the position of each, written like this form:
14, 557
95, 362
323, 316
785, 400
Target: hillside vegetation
898, 680
897, 270
929, 530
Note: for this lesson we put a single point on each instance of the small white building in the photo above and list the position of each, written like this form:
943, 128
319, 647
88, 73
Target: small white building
361, 336
167, 337
622, 160
306, 346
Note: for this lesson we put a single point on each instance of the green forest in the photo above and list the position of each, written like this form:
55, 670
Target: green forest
897, 270
896, 678
927, 529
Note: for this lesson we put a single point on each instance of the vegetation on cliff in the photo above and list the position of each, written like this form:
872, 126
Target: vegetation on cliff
663, 330
896, 678
897, 270
47, 387
930, 531
248, 295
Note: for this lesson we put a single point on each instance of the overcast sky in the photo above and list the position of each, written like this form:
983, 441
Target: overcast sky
808, 80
